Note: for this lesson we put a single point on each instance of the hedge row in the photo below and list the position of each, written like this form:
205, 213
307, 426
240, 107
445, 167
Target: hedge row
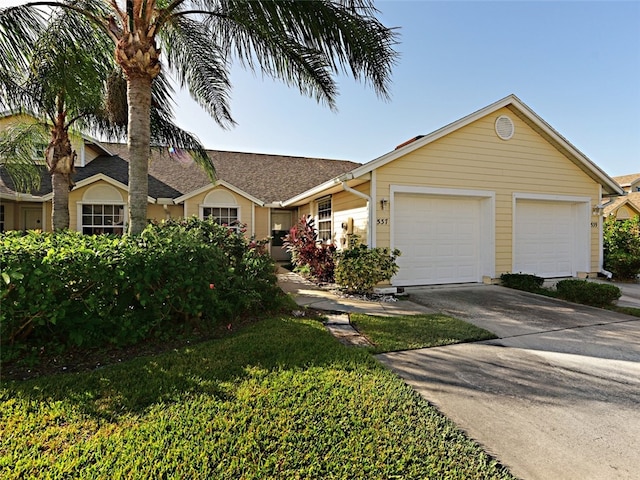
573, 290
69, 288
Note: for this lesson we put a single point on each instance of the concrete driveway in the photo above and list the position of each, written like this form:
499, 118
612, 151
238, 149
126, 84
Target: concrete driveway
557, 396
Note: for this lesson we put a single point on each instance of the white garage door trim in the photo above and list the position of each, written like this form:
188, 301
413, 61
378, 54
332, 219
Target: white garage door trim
486, 267
581, 234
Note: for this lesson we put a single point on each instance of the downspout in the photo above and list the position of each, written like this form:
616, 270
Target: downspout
371, 225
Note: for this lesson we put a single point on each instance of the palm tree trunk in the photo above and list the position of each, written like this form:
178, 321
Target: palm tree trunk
139, 139
60, 158
60, 210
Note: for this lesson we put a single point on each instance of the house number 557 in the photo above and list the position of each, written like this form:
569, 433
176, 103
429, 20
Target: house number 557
382, 221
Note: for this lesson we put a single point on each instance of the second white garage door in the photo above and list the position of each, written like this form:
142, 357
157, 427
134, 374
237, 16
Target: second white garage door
549, 241
439, 237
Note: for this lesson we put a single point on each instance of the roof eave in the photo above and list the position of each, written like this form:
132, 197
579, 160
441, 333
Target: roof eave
112, 181
335, 184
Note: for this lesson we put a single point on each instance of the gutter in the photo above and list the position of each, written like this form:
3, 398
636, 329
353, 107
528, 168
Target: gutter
347, 188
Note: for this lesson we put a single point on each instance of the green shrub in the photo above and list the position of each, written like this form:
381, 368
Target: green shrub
624, 266
622, 247
360, 268
587, 293
522, 281
66, 288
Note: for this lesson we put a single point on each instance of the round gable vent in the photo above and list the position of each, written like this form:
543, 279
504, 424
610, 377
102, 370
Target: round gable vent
504, 127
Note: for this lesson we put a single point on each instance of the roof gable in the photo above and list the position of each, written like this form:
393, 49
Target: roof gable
222, 183
515, 105
630, 200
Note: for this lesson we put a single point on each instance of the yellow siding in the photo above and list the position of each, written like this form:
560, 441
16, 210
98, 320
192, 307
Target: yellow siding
262, 229
48, 208
10, 215
89, 153
303, 210
474, 158
6, 122
76, 141
163, 212
346, 205
192, 206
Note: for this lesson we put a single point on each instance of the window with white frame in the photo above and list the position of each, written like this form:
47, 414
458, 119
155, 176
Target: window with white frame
221, 206
227, 216
102, 210
99, 218
324, 219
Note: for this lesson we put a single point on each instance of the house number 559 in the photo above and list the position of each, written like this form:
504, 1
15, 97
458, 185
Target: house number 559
382, 221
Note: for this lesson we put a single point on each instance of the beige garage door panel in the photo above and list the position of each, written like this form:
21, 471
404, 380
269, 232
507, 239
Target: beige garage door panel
439, 238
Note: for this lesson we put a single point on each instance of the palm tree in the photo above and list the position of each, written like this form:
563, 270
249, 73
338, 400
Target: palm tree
62, 85
303, 43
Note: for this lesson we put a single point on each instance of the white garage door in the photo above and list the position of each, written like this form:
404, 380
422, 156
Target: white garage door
545, 238
439, 238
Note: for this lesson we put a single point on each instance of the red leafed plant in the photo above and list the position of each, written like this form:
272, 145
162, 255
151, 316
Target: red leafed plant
308, 254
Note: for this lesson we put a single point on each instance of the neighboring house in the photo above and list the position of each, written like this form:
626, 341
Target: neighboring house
248, 190
629, 183
628, 205
494, 192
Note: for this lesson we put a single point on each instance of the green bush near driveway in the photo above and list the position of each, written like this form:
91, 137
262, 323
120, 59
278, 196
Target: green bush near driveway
588, 293
572, 290
416, 331
522, 281
279, 399
360, 268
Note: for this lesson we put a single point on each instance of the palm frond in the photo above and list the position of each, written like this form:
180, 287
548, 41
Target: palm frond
306, 43
19, 28
19, 145
164, 133
194, 56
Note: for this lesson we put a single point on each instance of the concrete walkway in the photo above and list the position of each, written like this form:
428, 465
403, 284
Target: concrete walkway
309, 295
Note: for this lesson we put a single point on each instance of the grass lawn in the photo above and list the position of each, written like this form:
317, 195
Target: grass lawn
279, 399
626, 310
389, 334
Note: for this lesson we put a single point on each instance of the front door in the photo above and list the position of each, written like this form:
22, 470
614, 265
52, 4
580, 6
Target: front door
280, 225
32, 218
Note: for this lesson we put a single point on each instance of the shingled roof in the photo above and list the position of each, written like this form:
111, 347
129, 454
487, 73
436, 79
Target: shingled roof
626, 180
270, 178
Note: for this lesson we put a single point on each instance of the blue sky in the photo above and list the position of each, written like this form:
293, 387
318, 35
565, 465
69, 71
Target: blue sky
575, 63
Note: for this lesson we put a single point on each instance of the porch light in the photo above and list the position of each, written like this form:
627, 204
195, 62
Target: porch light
383, 202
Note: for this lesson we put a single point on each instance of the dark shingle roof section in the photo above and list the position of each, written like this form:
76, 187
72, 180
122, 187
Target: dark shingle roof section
273, 178
270, 178
8, 187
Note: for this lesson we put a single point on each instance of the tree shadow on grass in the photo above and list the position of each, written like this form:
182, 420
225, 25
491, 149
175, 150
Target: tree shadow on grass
209, 368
